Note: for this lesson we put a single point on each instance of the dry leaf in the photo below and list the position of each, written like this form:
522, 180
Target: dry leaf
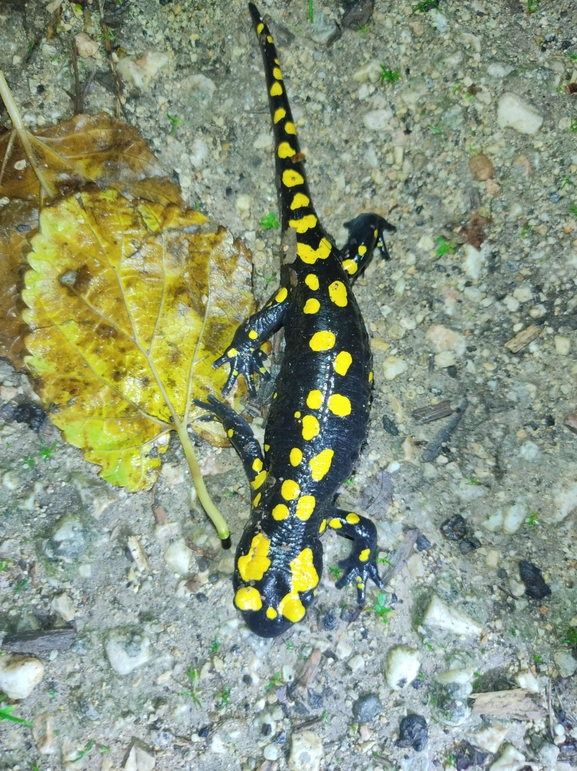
129, 304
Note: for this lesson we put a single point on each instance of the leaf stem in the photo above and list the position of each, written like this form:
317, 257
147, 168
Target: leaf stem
213, 513
22, 132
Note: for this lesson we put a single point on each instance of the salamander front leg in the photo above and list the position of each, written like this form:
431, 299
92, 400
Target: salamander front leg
361, 564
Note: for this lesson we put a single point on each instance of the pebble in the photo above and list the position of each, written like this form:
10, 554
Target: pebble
271, 752
481, 167
532, 578
306, 752
64, 606
514, 112
514, 517
43, 733
468, 756
19, 675
140, 73
440, 616
527, 680
460, 676
444, 339
562, 345
511, 760
378, 120
199, 153
69, 539
140, 758
243, 202
179, 558
490, 737
127, 651
566, 664
413, 732
473, 262
344, 648
393, 366
548, 755
367, 707
403, 664
565, 494
356, 663
370, 71
85, 45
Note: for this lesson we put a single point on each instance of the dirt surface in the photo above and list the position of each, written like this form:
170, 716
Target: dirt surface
459, 124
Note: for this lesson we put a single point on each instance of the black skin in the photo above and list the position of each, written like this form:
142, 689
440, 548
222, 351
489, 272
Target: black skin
320, 410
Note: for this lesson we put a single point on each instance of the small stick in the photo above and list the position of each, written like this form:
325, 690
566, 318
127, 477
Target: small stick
434, 447
39, 641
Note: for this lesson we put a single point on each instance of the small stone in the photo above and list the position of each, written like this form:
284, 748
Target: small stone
31, 414
570, 421
19, 675
444, 339
528, 681
489, 737
127, 651
565, 494
140, 758
85, 45
460, 676
393, 366
445, 359
514, 112
243, 202
344, 648
356, 663
378, 120
140, 73
562, 345
370, 71
179, 558
199, 153
403, 664
473, 262
172, 473
510, 760
441, 616
468, 756
271, 752
481, 167
43, 733
548, 755
413, 732
367, 707
69, 539
566, 663
535, 586
514, 517
64, 606
454, 528
306, 752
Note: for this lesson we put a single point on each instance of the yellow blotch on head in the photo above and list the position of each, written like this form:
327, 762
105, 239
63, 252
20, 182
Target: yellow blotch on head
342, 362
338, 293
336, 524
340, 405
295, 456
353, 518
252, 334
256, 500
281, 295
258, 481
305, 507
304, 575
280, 512
311, 306
271, 613
322, 341
321, 464
291, 607
290, 490
311, 427
259, 29
290, 127
323, 527
364, 555
257, 464
285, 151
350, 266
314, 399
299, 201
305, 223
362, 250
290, 177
312, 281
276, 89
277, 73
279, 114
254, 565
248, 598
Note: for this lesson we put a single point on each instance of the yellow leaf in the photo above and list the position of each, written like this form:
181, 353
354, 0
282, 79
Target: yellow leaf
129, 304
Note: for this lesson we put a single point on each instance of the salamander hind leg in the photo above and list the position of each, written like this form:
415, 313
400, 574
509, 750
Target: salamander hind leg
361, 563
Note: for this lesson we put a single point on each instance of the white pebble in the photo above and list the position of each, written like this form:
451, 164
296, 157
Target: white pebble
403, 664
271, 752
172, 473
494, 522
393, 366
43, 733
306, 752
510, 760
199, 153
565, 494
490, 737
19, 675
514, 112
139, 758
492, 558
514, 517
460, 676
370, 71
439, 20
343, 649
523, 293
85, 45
440, 616
528, 681
530, 451
473, 261
562, 345
511, 303
178, 557
127, 651
142, 72
378, 120
10, 481
356, 663
444, 339
64, 607
566, 664
445, 359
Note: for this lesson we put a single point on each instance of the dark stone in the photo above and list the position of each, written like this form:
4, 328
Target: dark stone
413, 732
315, 699
367, 707
454, 528
422, 543
390, 426
31, 414
531, 576
204, 732
469, 545
329, 620
357, 14
468, 756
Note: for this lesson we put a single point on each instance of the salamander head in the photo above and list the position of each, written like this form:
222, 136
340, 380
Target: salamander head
367, 231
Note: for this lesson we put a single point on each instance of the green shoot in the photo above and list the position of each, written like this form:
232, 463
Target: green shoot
84, 751
45, 451
473, 481
381, 609
175, 122
572, 55
311, 14
350, 483
22, 585
571, 637
532, 520
29, 461
290, 646
525, 230
335, 571
426, 5
276, 680
194, 676
215, 646
382, 561
270, 221
6, 714
224, 697
5, 565
390, 75
573, 125
537, 660
445, 247
573, 209
436, 130
532, 6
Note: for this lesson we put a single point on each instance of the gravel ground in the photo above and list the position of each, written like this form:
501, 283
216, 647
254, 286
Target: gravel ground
459, 124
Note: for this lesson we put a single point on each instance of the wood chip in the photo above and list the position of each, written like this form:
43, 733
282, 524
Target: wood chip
432, 412
39, 641
138, 554
517, 703
570, 422
523, 338
308, 672
435, 446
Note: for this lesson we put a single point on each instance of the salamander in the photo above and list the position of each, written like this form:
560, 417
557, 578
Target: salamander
320, 407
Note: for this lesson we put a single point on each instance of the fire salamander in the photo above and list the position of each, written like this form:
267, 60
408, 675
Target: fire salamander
320, 409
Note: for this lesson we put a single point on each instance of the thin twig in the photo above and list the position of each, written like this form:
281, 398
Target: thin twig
435, 445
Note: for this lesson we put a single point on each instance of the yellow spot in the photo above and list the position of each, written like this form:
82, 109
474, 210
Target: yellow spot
370, 378
360, 584
279, 114
312, 305
230, 433
271, 613
352, 518
277, 73
304, 575
364, 555
375, 233
256, 500
290, 177
321, 464
258, 480
276, 61
299, 201
232, 352
311, 427
235, 372
323, 527
291, 607
322, 341
252, 334
340, 405
279, 512
312, 281
350, 266
314, 399
290, 127
259, 29
254, 565
248, 598
297, 414
285, 151
290, 490
257, 464
305, 507
281, 295
276, 89
338, 293
295, 456
269, 39
343, 362
336, 524
362, 250
305, 223
309, 255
